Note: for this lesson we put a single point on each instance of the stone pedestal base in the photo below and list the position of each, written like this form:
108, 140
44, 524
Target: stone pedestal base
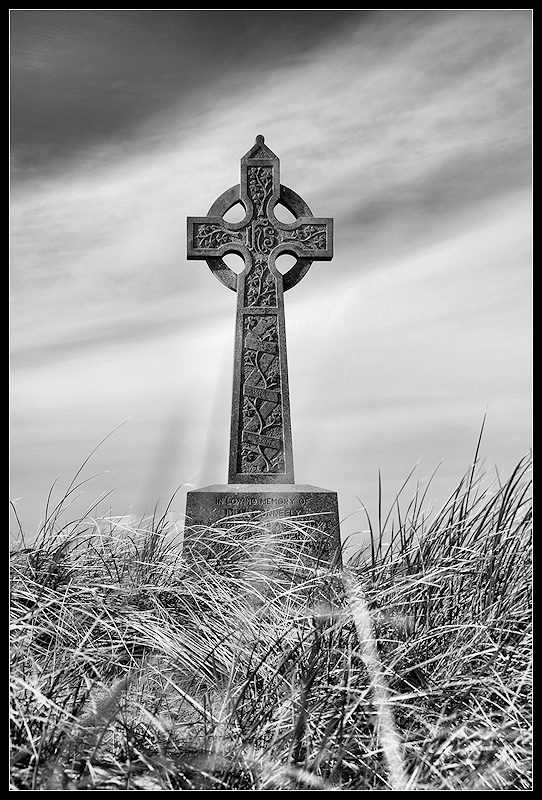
315, 509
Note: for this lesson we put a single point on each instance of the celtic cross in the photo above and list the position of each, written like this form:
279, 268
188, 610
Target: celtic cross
261, 437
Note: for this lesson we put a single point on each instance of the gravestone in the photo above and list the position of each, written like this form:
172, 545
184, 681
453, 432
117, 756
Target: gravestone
261, 469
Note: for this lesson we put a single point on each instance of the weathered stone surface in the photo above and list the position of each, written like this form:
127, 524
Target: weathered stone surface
316, 510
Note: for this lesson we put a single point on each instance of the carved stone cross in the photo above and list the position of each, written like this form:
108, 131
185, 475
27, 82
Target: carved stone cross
261, 437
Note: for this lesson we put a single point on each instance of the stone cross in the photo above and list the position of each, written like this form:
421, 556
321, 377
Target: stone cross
261, 470
261, 438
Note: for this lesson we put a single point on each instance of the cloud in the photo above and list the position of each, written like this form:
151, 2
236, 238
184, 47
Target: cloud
368, 132
412, 130
82, 78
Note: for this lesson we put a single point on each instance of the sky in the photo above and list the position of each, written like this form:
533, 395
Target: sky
411, 128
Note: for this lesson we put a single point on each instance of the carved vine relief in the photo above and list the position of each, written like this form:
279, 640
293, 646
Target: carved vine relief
262, 431
260, 233
261, 423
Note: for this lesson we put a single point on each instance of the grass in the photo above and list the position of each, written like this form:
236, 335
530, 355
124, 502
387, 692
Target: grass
137, 665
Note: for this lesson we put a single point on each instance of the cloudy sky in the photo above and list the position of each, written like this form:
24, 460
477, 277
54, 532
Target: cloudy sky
412, 129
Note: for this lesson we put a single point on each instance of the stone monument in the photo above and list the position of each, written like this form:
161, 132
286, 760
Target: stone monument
261, 468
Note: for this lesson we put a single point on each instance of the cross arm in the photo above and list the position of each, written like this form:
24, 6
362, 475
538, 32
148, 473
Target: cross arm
209, 237
308, 237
